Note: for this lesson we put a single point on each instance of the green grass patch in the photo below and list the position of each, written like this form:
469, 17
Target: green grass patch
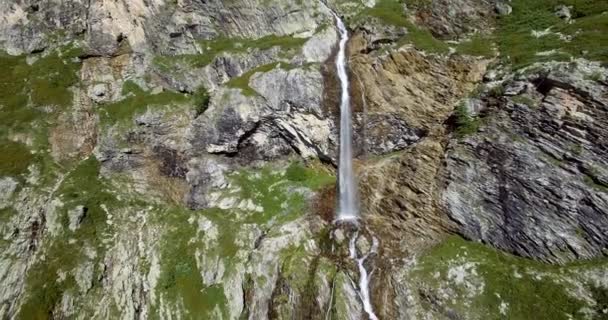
137, 102
274, 190
15, 158
478, 45
242, 82
213, 48
26, 89
180, 281
531, 290
589, 31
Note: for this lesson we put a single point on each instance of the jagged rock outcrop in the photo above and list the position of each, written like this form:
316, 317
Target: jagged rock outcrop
532, 181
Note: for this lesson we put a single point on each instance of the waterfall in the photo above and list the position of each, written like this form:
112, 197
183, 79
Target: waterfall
347, 207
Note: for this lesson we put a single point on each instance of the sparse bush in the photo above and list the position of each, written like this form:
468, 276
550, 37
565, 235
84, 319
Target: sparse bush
465, 123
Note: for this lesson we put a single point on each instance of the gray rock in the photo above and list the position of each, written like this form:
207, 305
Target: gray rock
76, 216
515, 88
205, 175
503, 8
8, 186
385, 133
563, 12
474, 106
533, 182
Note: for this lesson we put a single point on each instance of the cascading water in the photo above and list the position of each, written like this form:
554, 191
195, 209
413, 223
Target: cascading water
347, 207
363, 275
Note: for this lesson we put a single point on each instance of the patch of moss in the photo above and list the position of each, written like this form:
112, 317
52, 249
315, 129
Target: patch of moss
593, 183
201, 100
522, 288
6, 214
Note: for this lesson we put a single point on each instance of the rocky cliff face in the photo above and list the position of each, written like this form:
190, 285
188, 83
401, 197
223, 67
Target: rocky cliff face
176, 159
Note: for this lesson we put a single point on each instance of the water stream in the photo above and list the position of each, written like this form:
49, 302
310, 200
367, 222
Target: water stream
364, 276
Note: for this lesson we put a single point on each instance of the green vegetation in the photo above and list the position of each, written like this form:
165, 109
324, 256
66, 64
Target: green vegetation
478, 45
14, 157
180, 281
137, 101
82, 186
593, 183
596, 76
25, 90
242, 82
212, 48
201, 100
465, 123
274, 191
391, 12
522, 288
589, 31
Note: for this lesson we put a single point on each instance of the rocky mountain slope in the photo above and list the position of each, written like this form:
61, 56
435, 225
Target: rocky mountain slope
175, 159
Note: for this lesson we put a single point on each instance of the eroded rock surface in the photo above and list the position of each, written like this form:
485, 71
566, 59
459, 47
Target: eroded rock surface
532, 181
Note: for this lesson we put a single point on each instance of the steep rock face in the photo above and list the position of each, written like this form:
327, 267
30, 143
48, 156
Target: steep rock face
160, 26
401, 190
182, 172
532, 181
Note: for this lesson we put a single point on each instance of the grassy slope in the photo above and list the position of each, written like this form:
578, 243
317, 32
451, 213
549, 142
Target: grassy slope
589, 31
526, 289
